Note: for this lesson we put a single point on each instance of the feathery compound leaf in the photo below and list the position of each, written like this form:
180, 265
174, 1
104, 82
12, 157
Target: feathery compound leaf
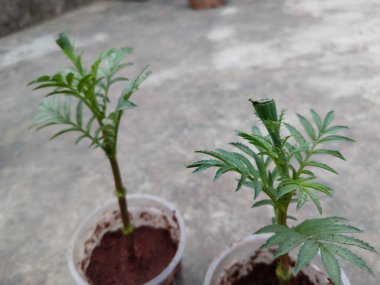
307, 126
331, 265
348, 255
306, 253
343, 239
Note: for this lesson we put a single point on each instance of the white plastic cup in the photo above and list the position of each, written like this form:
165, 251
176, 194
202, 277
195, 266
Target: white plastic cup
144, 210
242, 250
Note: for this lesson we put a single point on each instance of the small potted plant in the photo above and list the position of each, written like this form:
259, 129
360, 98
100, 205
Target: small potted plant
132, 239
280, 167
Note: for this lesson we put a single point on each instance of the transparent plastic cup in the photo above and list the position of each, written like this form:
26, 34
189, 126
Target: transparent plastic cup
144, 210
242, 250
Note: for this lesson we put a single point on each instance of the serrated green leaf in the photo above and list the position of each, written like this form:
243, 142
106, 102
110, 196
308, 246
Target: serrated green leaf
296, 135
331, 265
319, 187
241, 181
315, 199
285, 189
328, 119
306, 253
317, 119
272, 229
335, 138
321, 165
329, 152
302, 198
291, 243
222, 170
348, 255
335, 129
307, 127
343, 239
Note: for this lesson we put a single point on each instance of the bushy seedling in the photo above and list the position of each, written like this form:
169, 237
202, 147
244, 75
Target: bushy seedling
281, 167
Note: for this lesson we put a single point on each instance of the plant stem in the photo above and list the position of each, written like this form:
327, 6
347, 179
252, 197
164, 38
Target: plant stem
283, 271
120, 191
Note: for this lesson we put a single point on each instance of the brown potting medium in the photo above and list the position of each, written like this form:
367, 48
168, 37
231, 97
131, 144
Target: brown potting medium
265, 274
109, 263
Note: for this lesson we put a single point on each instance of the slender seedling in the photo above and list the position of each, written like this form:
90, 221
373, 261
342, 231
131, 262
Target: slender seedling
78, 94
281, 168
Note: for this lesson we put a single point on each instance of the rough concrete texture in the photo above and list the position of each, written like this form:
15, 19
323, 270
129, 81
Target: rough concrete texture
19, 14
320, 54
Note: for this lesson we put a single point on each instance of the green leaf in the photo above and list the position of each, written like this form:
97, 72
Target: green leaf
306, 253
89, 124
296, 135
67, 107
124, 105
331, 265
348, 255
241, 181
263, 203
80, 138
307, 127
291, 243
329, 152
319, 187
69, 78
335, 138
222, 170
301, 199
259, 142
321, 165
315, 199
317, 119
63, 132
285, 189
328, 119
339, 238
335, 129
134, 85
79, 112
272, 229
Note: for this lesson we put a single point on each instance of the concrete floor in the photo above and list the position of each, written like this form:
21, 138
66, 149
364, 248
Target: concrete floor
319, 54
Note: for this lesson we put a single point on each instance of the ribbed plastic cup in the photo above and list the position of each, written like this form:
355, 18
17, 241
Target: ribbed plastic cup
144, 210
242, 250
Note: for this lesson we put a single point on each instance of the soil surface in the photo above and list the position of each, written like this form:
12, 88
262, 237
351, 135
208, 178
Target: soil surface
265, 274
110, 265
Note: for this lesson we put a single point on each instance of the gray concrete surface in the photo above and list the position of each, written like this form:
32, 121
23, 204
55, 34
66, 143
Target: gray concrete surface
320, 54
19, 14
